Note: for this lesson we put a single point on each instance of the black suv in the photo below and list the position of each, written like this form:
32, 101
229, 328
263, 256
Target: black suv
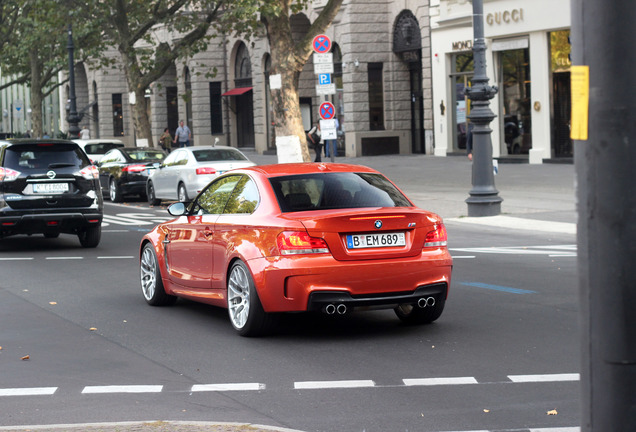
49, 187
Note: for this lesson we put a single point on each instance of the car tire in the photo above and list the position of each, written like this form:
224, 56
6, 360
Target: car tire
182, 193
244, 306
114, 192
151, 282
90, 237
413, 314
150, 192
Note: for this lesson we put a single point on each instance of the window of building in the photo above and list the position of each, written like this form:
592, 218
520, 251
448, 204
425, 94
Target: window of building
118, 115
376, 97
216, 108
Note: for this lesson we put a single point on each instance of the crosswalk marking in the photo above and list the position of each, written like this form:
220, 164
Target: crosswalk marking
32, 391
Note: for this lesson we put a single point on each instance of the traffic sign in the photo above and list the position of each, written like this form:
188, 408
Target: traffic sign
327, 111
322, 44
324, 78
326, 89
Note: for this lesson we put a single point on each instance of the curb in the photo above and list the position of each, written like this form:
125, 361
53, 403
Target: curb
152, 425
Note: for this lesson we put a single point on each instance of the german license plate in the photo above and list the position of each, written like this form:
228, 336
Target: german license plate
50, 188
376, 240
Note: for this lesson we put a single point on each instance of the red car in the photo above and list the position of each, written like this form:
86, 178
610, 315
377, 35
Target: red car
295, 238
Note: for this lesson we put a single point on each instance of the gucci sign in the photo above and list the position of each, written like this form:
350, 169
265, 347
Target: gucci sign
505, 17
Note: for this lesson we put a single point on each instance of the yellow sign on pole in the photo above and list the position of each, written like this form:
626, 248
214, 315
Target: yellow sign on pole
580, 90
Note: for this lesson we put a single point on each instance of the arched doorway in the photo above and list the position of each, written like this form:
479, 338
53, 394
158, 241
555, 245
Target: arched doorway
244, 100
407, 45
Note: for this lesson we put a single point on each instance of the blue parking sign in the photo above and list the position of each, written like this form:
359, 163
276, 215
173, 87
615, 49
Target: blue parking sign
324, 78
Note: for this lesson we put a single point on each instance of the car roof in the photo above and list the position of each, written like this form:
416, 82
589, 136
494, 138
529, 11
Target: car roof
36, 141
97, 141
286, 169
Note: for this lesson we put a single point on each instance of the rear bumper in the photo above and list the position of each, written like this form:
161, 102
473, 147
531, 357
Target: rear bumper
318, 301
297, 284
34, 223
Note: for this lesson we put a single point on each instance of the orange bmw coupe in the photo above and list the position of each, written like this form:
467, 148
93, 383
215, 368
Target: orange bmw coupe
299, 237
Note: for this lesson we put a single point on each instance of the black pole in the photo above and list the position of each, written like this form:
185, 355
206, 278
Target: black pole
484, 199
73, 117
607, 212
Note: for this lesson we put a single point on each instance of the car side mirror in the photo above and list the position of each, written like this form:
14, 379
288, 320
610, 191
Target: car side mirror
177, 209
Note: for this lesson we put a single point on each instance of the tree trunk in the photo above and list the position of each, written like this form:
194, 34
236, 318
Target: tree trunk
285, 102
141, 122
36, 95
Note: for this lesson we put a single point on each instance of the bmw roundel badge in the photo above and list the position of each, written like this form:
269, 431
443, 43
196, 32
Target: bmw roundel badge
378, 224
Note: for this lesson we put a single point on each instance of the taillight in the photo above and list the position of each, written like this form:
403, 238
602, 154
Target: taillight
134, 168
298, 242
437, 237
90, 172
206, 170
7, 174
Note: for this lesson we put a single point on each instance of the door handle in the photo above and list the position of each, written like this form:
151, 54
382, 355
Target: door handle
208, 233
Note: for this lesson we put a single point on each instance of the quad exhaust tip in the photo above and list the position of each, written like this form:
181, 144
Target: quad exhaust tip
331, 309
426, 302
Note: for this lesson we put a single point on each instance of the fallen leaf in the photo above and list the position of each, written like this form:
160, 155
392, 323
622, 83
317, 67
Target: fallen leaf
486, 410
0, 348
93, 328
52, 303
26, 357
552, 412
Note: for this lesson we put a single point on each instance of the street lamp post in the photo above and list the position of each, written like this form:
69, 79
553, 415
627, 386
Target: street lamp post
73, 117
484, 199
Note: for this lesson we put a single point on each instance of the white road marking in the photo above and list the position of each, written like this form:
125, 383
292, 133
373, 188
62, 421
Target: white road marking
550, 251
518, 224
115, 257
64, 258
124, 221
464, 257
333, 384
17, 259
227, 387
33, 391
544, 378
439, 381
123, 389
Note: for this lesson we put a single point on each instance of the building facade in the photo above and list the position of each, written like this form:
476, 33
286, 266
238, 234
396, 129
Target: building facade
527, 59
383, 100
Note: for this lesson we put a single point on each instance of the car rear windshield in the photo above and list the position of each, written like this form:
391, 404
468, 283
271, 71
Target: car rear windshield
146, 155
38, 157
212, 155
336, 191
101, 148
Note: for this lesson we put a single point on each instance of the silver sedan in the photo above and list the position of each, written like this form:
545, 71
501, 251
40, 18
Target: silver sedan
186, 171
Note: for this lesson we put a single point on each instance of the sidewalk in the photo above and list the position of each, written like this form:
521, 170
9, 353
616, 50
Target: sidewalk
535, 197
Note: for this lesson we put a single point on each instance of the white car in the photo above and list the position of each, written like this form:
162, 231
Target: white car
97, 148
186, 171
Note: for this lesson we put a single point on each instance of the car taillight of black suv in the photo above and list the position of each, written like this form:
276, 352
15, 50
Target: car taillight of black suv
49, 187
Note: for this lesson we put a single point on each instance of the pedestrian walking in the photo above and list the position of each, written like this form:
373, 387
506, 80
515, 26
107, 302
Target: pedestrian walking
165, 140
85, 133
331, 146
182, 135
318, 144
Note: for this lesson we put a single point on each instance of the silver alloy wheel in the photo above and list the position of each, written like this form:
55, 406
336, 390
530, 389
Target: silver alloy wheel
182, 193
112, 190
238, 297
148, 268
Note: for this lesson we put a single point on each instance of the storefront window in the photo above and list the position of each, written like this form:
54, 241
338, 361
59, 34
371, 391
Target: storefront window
514, 74
561, 101
461, 79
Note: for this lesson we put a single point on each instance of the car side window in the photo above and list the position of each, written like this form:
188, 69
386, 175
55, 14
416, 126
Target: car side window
110, 157
244, 199
172, 158
214, 198
182, 158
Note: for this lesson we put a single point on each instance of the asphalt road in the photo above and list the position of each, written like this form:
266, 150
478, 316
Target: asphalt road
503, 356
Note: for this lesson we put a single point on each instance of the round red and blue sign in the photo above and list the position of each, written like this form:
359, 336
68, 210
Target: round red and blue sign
321, 44
327, 111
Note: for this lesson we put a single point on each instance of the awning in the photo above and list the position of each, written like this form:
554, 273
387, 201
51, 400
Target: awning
237, 91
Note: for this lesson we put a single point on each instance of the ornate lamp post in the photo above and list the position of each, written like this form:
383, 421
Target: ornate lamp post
73, 117
484, 199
